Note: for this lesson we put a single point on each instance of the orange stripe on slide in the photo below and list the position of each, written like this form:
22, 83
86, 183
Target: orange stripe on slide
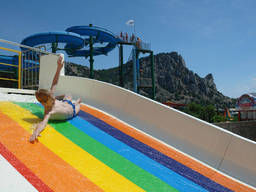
172, 153
23, 170
51, 169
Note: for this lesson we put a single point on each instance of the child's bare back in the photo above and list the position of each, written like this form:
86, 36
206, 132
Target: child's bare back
64, 109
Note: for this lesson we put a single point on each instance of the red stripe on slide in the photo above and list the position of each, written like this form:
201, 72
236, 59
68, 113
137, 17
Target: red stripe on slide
23, 170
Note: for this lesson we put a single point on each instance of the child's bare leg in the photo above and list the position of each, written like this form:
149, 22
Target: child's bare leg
78, 101
77, 105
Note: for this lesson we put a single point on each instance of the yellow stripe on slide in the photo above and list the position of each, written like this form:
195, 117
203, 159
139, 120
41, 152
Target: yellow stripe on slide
102, 175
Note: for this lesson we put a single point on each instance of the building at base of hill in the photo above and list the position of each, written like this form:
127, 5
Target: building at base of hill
246, 107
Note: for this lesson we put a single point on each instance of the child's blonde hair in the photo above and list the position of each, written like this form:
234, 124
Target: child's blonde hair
45, 96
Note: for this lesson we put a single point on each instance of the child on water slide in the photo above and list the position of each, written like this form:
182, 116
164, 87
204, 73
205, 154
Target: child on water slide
55, 108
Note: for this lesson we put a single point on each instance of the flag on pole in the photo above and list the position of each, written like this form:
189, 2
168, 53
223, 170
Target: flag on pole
130, 22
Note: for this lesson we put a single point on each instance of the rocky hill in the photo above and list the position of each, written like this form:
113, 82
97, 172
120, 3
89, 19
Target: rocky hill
174, 81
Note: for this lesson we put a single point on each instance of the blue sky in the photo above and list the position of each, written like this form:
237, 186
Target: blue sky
213, 36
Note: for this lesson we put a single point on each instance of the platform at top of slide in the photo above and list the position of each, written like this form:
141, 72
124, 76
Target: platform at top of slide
95, 152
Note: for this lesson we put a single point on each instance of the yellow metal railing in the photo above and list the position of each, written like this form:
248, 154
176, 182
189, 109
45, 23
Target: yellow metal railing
19, 67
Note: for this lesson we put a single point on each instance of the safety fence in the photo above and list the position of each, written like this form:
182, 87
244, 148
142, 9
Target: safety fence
30, 69
10, 68
19, 65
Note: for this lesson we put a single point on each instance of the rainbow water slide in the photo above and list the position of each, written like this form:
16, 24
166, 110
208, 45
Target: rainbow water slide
120, 141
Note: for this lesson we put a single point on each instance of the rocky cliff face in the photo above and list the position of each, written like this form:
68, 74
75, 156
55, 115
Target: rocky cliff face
183, 84
174, 81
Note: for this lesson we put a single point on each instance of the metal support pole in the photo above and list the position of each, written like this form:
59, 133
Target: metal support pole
138, 70
37, 70
19, 72
91, 56
32, 69
121, 62
135, 89
54, 47
153, 76
24, 69
28, 73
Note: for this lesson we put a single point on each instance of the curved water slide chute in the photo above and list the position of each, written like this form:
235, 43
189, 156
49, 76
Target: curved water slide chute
74, 40
99, 35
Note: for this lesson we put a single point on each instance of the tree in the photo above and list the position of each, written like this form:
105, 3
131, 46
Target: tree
193, 109
206, 113
210, 112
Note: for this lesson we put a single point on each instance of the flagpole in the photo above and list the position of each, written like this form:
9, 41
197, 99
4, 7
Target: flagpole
134, 26
131, 22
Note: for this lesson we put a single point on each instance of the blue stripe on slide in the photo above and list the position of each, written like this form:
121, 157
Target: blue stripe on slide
154, 154
170, 177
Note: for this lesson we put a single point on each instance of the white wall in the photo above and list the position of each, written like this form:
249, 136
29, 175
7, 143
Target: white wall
210, 144
48, 66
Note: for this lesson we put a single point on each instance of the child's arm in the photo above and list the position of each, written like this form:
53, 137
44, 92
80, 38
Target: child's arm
60, 64
39, 128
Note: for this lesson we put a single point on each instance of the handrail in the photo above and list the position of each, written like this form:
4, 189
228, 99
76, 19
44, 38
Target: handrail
20, 66
12, 50
25, 46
